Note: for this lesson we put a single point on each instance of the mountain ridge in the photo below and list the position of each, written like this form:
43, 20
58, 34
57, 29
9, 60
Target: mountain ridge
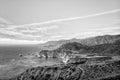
50, 45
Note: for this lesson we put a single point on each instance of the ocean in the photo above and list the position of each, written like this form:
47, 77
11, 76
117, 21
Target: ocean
9, 52
11, 64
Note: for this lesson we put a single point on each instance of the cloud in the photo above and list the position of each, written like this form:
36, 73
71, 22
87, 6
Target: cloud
50, 30
6, 33
74, 18
33, 28
95, 32
28, 33
14, 41
47, 28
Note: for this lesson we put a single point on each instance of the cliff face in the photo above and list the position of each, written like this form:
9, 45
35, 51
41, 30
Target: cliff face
48, 54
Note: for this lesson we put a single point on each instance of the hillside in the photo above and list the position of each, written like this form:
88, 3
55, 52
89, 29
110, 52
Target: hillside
106, 49
106, 71
50, 45
109, 49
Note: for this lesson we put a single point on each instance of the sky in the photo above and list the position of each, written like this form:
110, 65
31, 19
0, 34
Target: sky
38, 21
